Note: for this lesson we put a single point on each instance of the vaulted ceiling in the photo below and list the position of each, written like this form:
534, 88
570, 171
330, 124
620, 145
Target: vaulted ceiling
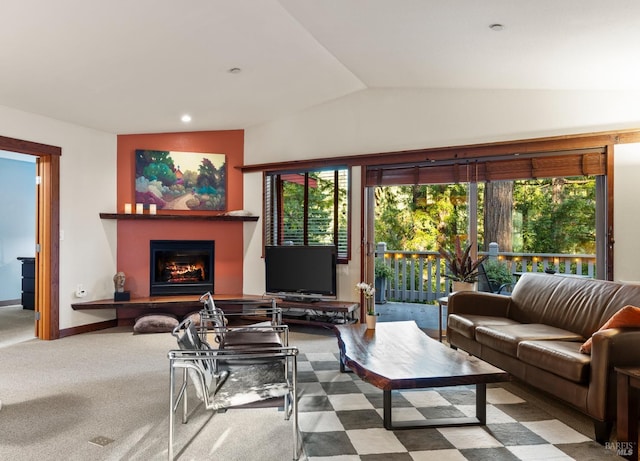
133, 66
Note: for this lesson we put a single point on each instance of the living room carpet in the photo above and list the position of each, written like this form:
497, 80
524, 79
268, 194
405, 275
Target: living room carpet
59, 396
341, 420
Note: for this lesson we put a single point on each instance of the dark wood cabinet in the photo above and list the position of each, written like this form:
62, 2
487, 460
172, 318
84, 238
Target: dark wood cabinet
28, 283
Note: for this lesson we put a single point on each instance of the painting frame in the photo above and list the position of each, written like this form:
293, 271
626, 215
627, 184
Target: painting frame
179, 182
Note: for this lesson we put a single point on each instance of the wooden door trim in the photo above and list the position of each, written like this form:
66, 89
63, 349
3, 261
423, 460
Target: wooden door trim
48, 210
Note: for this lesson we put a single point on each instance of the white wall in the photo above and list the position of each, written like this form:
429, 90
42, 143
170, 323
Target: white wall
384, 120
626, 213
87, 187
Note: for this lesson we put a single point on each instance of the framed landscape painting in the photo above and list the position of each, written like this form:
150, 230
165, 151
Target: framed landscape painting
181, 181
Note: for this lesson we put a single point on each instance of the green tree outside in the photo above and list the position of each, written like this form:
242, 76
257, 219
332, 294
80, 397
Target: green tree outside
553, 215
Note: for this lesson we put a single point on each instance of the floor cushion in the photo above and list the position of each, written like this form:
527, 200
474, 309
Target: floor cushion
155, 323
195, 318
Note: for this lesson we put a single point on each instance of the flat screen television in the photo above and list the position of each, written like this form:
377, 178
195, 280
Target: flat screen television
303, 273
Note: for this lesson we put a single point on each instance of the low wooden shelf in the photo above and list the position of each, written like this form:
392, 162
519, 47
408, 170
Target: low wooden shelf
128, 311
174, 217
320, 313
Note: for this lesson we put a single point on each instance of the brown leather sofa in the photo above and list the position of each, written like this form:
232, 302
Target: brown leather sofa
535, 335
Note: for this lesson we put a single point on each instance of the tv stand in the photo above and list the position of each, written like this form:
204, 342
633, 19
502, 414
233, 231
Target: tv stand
300, 299
310, 311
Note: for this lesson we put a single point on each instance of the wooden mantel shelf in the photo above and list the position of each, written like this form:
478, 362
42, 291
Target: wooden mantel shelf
177, 217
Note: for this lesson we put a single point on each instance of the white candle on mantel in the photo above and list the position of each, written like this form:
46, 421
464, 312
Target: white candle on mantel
152, 208
139, 208
127, 208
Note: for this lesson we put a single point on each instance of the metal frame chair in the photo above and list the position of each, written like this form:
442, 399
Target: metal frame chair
256, 308
489, 285
266, 333
212, 372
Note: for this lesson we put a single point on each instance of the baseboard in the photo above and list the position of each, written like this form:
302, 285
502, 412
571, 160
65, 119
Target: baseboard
88, 328
11, 302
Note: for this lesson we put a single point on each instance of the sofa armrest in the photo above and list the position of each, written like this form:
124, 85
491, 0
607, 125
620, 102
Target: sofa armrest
614, 347
478, 303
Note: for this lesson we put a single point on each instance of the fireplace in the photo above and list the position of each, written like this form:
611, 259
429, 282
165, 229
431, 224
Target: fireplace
181, 267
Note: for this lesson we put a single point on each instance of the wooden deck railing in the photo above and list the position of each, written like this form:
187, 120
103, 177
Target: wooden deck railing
418, 276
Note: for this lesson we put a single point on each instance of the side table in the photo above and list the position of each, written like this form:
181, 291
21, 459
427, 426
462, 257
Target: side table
627, 410
442, 302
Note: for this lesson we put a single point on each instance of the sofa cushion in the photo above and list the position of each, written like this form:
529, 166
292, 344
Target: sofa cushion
505, 338
627, 317
466, 324
577, 304
562, 358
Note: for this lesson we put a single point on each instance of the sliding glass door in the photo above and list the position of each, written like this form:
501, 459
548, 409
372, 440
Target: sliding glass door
535, 212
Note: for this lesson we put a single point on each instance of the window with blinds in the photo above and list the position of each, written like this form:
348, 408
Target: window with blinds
308, 208
588, 162
492, 210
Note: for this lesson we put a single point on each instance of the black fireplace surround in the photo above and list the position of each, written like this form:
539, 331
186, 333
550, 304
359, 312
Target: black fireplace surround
181, 267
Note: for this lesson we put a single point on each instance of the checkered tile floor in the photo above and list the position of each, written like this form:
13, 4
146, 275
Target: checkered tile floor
341, 420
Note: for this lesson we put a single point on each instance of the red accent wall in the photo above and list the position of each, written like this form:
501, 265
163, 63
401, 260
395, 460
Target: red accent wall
134, 235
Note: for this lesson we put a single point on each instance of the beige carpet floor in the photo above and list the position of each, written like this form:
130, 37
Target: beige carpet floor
62, 398
16, 325
58, 396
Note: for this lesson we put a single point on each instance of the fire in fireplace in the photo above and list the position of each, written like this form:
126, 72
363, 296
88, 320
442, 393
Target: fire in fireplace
181, 267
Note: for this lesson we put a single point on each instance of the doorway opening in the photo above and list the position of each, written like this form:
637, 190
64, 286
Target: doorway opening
47, 297
17, 247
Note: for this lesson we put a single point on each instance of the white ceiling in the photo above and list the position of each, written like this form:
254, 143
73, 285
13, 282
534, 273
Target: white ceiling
135, 66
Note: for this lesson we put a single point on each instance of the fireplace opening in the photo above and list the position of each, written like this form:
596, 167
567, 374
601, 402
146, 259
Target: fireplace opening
181, 267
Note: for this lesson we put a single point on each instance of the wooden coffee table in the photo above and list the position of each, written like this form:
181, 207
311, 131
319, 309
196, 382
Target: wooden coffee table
398, 355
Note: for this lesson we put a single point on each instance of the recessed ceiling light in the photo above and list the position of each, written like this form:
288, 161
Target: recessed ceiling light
235, 70
496, 27
186, 118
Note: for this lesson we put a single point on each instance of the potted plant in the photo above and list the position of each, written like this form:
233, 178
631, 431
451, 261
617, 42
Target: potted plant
368, 292
382, 273
462, 270
499, 276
